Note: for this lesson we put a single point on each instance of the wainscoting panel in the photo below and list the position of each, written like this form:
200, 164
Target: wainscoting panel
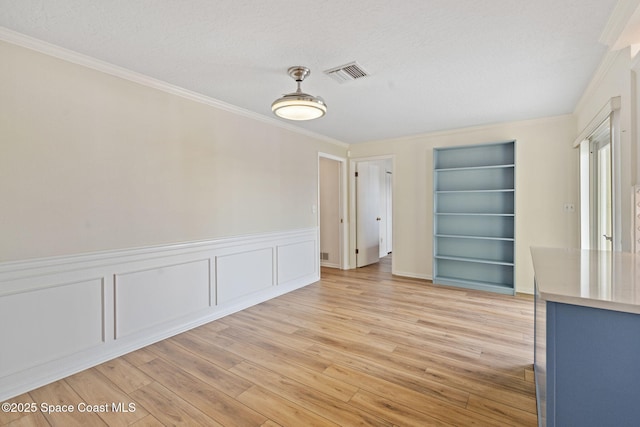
37, 327
234, 279
296, 260
61, 315
147, 298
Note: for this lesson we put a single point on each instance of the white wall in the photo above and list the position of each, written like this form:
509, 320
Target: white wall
547, 178
93, 162
130, 214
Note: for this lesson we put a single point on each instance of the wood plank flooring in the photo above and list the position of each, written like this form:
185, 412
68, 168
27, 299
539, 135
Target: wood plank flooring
360, 347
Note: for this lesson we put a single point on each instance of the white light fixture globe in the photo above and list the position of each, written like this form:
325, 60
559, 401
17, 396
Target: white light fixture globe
299, 105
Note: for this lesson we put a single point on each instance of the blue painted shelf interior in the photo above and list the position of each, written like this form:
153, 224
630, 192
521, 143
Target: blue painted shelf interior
474, 214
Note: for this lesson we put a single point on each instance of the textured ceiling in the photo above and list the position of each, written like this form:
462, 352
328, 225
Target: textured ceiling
434, 64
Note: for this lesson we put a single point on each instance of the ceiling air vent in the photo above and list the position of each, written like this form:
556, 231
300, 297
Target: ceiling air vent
346, 73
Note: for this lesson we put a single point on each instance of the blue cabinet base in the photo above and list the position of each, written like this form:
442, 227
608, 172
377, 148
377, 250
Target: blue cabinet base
592, 372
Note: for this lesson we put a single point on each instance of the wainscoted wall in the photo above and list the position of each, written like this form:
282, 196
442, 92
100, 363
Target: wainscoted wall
61, 315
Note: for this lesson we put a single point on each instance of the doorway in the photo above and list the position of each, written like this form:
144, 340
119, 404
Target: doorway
371, 209
332, 216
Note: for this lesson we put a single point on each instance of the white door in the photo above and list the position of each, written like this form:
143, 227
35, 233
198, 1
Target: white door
367, 213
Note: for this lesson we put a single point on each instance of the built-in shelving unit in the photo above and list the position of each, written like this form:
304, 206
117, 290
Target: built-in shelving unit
474, 214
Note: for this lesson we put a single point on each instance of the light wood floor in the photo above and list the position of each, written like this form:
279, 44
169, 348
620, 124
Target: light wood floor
357, 348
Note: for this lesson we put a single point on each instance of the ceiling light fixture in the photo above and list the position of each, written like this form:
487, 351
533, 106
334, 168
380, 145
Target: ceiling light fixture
299, 105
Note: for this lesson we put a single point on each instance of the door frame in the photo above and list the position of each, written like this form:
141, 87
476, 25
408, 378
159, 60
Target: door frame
352, 203
610, 110
586, 196
595, 196
343, 229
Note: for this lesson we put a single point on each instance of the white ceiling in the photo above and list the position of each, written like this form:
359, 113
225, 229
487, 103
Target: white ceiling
434, 64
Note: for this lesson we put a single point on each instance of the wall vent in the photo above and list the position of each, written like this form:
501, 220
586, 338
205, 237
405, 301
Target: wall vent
324, 256
346, 73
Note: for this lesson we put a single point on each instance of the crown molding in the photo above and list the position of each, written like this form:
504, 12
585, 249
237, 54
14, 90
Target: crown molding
617, 22
68, 55
604, 67
610, 36
471, 129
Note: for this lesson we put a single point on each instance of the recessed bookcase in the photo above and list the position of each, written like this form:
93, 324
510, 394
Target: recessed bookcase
474, 216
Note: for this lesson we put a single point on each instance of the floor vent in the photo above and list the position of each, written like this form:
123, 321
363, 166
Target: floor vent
346, 73
324, 256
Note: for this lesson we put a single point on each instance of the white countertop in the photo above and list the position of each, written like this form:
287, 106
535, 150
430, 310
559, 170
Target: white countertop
606, 280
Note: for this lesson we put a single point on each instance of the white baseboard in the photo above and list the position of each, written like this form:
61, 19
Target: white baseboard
329, 264
61, 315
